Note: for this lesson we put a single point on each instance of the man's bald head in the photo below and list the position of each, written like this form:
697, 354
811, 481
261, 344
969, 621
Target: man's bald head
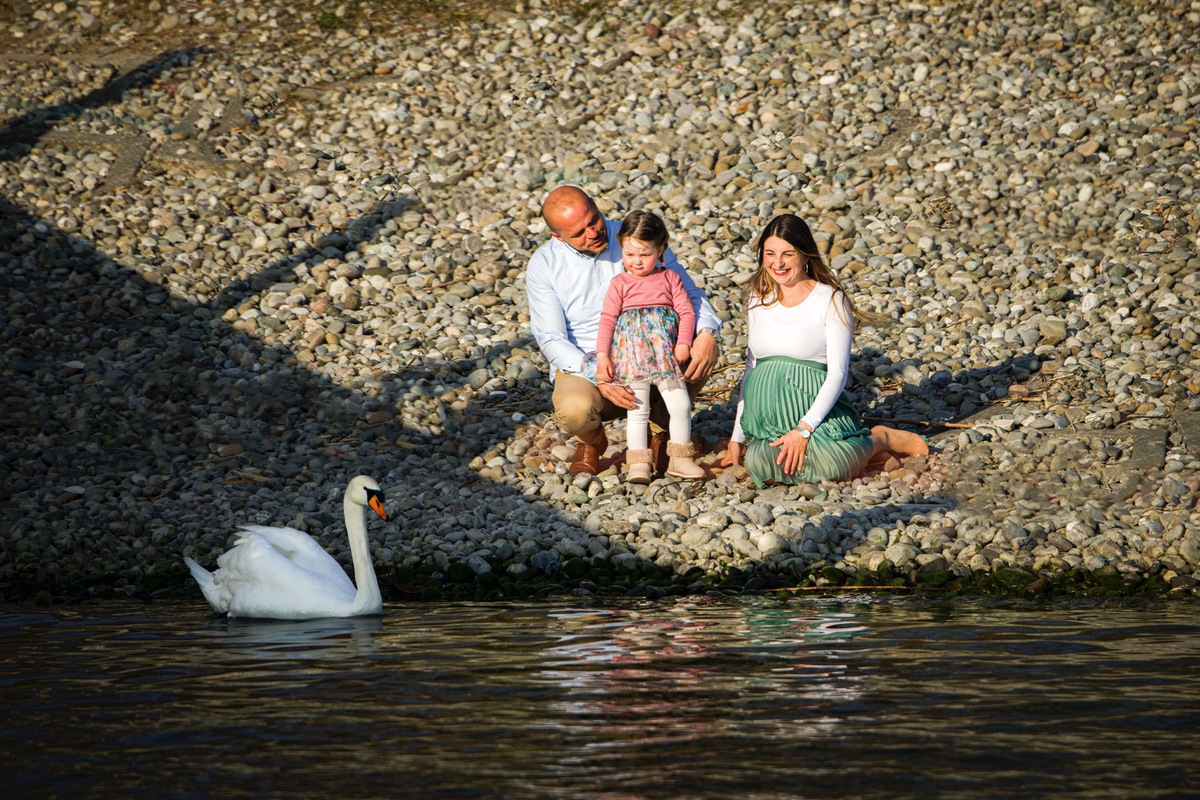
562, 202
573, 218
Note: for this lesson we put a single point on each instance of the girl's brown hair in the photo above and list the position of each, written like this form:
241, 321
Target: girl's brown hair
645, 226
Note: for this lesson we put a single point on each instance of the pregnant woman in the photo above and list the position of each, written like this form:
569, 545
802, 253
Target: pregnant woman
794, 422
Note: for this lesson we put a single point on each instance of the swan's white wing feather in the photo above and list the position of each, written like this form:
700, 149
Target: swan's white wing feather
297, 546
263, 580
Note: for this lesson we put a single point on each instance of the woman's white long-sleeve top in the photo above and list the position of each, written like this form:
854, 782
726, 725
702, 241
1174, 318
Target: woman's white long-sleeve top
819, 329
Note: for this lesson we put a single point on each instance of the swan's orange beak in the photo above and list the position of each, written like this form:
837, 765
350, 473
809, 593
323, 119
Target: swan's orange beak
375, 501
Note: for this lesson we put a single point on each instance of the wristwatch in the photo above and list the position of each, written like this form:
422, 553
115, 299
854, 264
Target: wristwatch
711, 331
804, 432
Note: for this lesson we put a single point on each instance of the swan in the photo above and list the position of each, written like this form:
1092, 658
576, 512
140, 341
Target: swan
282, 573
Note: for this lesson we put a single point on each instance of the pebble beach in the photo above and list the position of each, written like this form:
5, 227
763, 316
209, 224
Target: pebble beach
251, 250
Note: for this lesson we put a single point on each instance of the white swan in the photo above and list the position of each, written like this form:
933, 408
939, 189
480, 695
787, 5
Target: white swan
282, 573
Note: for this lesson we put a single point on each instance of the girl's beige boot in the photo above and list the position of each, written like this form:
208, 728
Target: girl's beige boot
639, 464
682, 464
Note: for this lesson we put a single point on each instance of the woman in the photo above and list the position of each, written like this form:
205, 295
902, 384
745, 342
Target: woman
794, 421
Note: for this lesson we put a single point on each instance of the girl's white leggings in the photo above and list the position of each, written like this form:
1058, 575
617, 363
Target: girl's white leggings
679, 406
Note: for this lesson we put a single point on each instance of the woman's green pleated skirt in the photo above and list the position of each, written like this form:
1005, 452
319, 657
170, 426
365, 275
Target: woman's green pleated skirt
777, 394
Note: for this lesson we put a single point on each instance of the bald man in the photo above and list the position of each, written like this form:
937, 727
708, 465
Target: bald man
566, 282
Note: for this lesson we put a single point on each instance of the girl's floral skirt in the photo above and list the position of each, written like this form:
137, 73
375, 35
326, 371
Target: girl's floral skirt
643, 348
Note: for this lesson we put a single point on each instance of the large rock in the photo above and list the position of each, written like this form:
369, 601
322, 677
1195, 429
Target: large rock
1189, 547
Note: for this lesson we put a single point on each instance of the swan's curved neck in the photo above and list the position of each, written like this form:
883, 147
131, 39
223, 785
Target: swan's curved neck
367, 594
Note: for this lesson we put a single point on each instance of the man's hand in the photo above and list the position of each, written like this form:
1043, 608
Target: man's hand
704, 358
618, 394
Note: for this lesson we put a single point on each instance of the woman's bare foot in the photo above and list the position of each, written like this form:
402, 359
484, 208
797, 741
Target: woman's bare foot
902, 444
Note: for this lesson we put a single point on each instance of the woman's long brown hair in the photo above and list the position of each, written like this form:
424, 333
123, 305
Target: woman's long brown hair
795, 231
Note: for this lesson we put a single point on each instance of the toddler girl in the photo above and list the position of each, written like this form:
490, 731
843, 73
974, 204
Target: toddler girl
646, 330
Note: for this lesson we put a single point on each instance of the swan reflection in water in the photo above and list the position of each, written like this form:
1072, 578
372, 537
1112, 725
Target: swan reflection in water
335, 637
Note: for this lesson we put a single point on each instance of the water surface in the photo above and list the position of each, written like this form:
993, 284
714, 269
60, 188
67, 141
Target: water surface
747, 698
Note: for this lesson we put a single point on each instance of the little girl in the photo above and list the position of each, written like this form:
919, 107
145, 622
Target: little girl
646, 330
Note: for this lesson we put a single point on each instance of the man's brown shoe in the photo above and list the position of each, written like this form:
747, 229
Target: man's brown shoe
587, 456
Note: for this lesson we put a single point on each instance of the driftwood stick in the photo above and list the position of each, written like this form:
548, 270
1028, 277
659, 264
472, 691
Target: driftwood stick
886, 420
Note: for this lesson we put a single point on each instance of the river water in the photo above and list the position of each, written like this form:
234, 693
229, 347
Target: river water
859, 697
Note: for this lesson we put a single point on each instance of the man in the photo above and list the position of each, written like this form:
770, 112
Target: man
566, 282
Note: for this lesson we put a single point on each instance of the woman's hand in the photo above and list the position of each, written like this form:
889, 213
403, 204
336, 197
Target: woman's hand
733, 455
682, 353
604, 372
792, 447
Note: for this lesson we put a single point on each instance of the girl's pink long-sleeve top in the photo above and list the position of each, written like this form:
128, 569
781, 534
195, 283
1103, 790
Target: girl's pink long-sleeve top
663, 288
